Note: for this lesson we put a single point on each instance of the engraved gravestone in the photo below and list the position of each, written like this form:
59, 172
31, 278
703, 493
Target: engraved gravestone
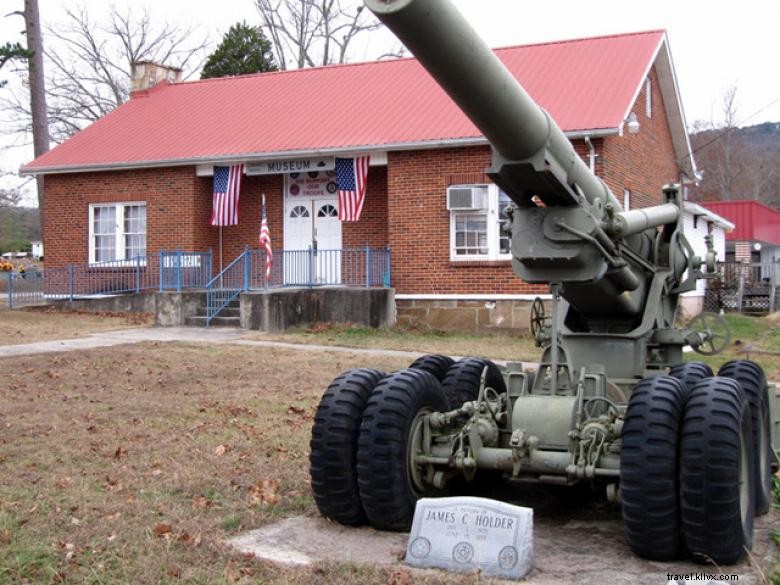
465, 534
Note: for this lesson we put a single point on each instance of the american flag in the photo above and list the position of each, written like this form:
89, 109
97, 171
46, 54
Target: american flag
265, 242
351, 174
227, 187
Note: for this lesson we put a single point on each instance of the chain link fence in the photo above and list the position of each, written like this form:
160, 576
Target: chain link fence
744, 287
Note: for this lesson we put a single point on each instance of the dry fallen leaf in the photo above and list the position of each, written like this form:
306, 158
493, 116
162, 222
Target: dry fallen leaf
221, 450
162, 529
63, 483
264, 492
232, 572
400, 577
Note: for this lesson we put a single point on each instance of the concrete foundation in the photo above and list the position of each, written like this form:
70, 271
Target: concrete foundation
278, 310
465, 315
170, 309
274, 310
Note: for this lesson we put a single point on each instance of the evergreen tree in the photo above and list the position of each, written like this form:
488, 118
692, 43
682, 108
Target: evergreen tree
244, 49
10, 51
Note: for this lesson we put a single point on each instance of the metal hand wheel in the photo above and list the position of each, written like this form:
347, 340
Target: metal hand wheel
713, 329
538, 321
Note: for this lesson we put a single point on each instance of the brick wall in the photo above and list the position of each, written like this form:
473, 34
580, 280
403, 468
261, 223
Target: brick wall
642, 162
371, 229
171, 209
236, 237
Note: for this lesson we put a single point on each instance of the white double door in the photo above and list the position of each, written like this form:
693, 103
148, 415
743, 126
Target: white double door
312, 241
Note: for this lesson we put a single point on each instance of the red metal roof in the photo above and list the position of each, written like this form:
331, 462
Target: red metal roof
586, 84
753, 221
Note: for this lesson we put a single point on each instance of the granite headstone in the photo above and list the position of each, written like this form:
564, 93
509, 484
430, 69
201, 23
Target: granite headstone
466, 534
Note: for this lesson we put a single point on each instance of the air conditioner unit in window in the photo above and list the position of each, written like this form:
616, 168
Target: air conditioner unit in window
466, 198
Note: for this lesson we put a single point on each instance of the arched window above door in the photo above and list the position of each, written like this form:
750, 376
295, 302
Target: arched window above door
328, 211
299, 211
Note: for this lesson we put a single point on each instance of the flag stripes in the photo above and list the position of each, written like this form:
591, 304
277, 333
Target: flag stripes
265, 242
351, 176
227, 188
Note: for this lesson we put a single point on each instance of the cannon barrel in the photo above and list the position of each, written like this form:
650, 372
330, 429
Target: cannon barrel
481, 85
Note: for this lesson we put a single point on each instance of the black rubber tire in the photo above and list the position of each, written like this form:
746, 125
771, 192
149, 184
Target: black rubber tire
433, 364
753, 381
690, 373
649, 470
716, 472
461, 384
334, 445
384, 480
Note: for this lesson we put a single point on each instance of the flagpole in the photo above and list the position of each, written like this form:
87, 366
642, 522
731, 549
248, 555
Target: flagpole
262, 212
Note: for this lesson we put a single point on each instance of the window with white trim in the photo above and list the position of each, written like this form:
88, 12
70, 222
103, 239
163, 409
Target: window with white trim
117, 231
648, 98
479, 225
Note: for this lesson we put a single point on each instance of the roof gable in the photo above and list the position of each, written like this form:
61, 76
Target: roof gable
587, 85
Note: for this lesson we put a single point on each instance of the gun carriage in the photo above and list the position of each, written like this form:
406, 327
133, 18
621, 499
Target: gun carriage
688, 454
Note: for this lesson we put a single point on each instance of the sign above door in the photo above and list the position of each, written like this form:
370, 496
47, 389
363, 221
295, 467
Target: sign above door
291, 165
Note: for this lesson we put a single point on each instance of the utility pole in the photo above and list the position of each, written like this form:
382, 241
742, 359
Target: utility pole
40, 119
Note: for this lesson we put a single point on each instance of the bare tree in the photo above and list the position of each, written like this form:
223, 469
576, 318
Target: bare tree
730, 167
720, 151
307, 33
9, 197
89, 64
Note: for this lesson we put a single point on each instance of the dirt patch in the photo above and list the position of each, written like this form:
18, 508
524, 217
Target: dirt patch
44, 324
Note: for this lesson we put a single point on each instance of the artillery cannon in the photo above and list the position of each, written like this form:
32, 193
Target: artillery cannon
686, 453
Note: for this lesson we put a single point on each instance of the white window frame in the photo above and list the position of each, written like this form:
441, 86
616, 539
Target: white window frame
649, 98
119, 232
491, 213
626, 199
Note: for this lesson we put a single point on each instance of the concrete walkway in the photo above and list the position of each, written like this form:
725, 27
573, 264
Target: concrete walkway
187, 334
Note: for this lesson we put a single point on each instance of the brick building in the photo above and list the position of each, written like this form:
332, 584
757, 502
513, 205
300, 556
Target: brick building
140, 179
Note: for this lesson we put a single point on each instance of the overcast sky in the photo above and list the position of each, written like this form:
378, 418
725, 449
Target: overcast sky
715, 44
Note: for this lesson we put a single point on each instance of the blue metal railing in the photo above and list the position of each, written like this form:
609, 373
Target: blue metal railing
180, 270
227, 285
163, 271
349, 267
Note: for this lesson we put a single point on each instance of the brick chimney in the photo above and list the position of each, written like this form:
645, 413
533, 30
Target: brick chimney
145, 75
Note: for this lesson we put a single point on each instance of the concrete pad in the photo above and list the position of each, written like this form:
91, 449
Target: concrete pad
575, 541
302, 541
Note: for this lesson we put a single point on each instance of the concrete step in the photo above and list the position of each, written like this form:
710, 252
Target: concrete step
218, 321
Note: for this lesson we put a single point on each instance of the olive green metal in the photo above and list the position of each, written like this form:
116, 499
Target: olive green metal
615, 278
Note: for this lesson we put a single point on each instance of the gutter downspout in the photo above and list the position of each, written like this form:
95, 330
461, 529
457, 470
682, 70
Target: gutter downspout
591, 154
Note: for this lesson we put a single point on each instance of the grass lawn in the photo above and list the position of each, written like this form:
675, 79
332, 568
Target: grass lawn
750, 336
42, 324
498, 346
133, 464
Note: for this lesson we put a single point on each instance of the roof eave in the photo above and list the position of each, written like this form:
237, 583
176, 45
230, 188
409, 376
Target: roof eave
264, 156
